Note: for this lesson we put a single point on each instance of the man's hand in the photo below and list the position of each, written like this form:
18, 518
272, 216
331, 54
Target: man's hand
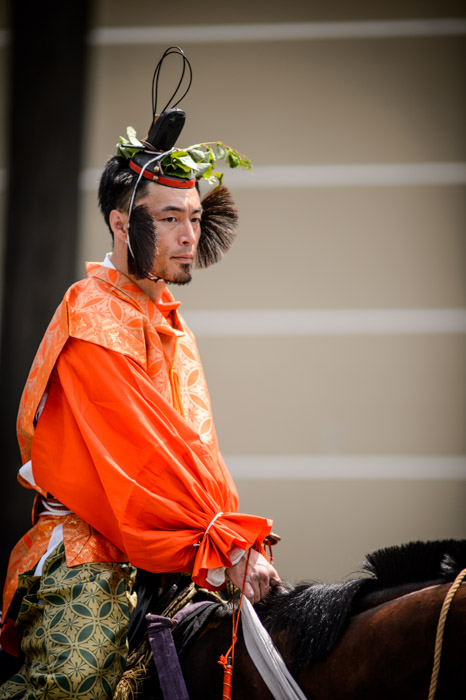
260, 577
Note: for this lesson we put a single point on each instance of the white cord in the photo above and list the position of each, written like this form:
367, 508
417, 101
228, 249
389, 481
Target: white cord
159, 156
198, 544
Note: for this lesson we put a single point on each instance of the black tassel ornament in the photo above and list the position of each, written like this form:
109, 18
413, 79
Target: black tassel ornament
218, 226
142, 243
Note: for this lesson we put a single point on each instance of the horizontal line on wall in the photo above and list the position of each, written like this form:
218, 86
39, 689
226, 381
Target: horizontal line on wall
290, 31
343, 175
357, 175
346, 467
303, 322
349, 175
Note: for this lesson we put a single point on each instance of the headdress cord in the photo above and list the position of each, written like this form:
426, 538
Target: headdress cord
227, 660
133, 196
172, 50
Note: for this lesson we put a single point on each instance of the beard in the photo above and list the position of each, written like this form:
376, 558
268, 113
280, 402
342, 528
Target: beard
183, 276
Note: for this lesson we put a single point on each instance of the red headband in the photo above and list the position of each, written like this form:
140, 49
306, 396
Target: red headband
163, 179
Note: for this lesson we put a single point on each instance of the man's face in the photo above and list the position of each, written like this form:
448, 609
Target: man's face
177, 218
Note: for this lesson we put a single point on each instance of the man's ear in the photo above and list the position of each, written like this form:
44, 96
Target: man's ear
118, 221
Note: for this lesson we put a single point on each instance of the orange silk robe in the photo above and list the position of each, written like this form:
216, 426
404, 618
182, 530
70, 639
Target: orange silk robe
126, 439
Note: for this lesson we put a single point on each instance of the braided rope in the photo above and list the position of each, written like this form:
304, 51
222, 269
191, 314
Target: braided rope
228, 660
440, 629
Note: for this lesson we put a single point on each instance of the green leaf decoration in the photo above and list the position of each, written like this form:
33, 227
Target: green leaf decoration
127, 148
196, 154
185, 161
220, 152
233, 160
197, 161
203, 168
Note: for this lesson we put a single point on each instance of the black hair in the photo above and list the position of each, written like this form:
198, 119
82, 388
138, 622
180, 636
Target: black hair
116, 187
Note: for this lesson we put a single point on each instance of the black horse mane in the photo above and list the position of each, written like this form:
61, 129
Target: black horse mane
416, 561
314, 614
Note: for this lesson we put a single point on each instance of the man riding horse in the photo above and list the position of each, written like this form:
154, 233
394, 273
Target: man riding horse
116, 431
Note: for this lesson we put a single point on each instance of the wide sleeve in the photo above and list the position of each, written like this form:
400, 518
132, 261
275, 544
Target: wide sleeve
115, 452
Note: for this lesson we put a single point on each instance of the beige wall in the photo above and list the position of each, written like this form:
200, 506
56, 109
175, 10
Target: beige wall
391, 401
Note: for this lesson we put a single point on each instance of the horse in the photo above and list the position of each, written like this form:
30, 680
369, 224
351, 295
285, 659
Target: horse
372, 636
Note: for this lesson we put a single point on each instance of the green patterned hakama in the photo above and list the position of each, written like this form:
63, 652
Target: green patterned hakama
74, 623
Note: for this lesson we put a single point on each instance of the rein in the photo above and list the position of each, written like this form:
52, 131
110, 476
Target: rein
440, 630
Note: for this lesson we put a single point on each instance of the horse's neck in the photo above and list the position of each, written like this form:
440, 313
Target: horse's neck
387, 652
375, 598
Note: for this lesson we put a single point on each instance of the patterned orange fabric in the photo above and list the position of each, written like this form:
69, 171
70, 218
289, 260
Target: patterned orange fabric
108, 309
82, 544
133, 414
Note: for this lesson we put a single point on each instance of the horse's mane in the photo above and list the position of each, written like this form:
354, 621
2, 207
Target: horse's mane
313, 615
416, 561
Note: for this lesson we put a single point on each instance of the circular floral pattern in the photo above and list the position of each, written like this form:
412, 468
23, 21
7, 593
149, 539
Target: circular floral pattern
75, 623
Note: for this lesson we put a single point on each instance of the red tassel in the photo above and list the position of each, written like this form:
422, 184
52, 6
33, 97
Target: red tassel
226, 660
227, 681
